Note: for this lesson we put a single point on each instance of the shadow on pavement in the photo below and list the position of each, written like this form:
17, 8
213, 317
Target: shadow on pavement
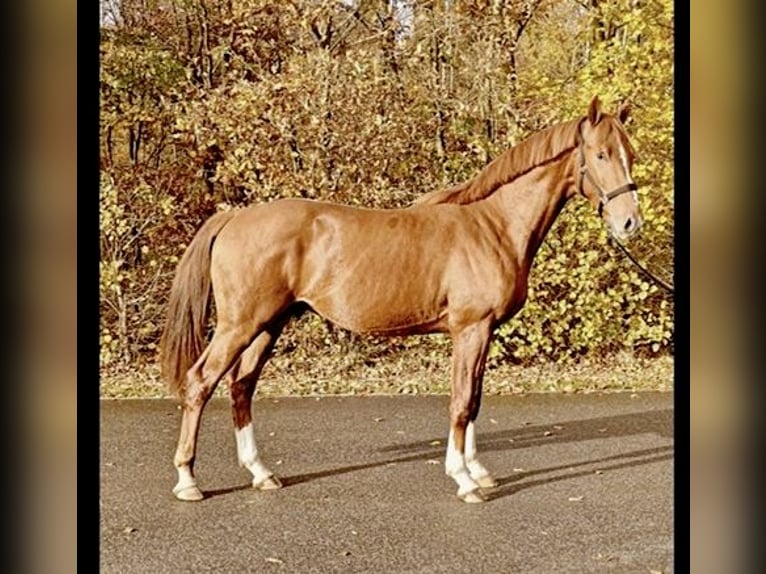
658, 422
508, 485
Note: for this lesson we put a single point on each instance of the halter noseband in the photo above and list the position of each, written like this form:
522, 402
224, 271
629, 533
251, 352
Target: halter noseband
583, 172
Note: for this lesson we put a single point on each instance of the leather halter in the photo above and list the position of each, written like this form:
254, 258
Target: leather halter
583, 173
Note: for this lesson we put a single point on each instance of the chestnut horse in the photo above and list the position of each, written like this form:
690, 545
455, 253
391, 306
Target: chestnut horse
456, 262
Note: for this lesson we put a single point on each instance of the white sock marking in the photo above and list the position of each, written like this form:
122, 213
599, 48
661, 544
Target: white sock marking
475, 468
185, 478
470, 442
247, 452
455, 467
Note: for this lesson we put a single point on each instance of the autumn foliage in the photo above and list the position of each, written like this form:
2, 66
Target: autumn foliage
208, 104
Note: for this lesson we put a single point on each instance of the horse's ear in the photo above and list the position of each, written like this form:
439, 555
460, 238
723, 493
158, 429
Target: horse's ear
623, 112
594, 111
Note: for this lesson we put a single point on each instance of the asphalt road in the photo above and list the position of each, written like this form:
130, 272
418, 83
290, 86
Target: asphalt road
586, 485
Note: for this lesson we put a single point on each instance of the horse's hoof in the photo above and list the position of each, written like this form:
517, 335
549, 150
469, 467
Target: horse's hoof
269, 483
189, 493
486, 481
472, 497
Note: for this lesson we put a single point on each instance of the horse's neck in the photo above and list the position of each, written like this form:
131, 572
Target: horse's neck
527, 207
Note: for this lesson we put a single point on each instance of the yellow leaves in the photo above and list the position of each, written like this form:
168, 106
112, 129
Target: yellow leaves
348, 128
584, 297
167, 205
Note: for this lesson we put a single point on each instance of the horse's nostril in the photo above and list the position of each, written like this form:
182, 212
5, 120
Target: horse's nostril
629, 224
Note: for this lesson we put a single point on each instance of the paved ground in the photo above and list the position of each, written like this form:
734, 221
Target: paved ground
586, 485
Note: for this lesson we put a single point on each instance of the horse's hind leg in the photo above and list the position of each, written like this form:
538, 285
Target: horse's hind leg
242, 381
201, 380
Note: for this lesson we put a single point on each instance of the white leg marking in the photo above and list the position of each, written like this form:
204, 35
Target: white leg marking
186, 488
455, 467
247, 451
185, 479
475, 468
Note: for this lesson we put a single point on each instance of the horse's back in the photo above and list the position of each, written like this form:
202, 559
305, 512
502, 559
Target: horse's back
365, 269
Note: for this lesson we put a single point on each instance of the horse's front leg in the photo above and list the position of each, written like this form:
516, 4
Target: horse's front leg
476, 470
468, 358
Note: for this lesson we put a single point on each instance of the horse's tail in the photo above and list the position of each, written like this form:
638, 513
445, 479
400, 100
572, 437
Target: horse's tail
183, 339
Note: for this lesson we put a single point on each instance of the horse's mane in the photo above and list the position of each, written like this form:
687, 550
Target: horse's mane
536, 150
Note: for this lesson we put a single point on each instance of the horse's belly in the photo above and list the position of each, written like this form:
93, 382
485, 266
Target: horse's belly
383, 307
374, 272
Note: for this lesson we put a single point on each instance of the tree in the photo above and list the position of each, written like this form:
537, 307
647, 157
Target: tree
209, 104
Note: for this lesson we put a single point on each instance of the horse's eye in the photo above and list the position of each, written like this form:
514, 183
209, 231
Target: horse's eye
601, 155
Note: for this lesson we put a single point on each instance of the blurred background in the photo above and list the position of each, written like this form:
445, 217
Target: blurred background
721, 60
44, 54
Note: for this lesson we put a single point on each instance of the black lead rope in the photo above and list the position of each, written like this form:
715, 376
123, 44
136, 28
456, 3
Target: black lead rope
649, 274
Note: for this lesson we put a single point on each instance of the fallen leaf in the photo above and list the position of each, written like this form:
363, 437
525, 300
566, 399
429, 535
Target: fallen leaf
601, 430
432, 461
575, 498
354, 532
274, 560
493, 421
633, 396
518, 470
128, 529
272, 433
108, 464
655, 572
400, 432
378, 419
278, 462
558, 427
599, 472
435, 442
600, 556
347, 553
547, 433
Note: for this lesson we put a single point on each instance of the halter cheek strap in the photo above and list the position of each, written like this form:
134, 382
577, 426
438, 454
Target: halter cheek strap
606, 197
583, 173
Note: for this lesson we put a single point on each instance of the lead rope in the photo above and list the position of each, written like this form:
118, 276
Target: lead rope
651, 275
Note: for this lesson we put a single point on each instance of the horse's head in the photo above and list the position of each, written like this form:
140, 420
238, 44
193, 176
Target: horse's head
604, 161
